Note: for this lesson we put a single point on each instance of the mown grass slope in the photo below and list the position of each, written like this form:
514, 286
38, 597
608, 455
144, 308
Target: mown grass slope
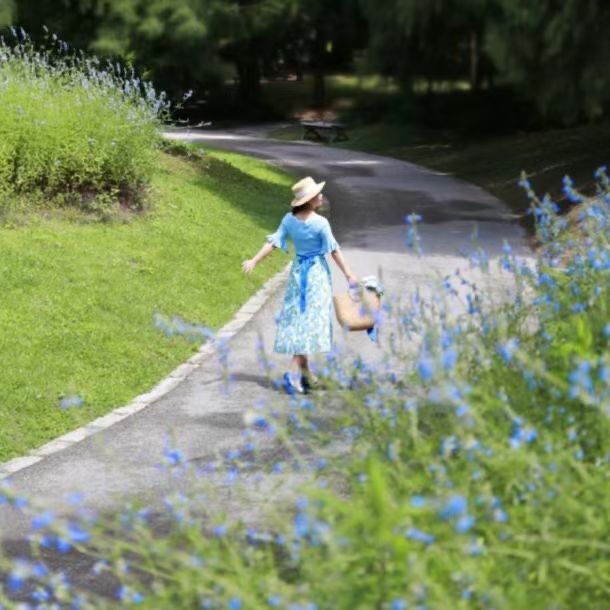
76, 317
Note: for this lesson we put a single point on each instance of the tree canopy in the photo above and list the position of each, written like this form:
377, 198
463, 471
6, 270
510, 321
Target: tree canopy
553, 53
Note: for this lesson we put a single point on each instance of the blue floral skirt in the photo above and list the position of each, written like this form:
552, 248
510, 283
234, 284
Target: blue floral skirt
310, 331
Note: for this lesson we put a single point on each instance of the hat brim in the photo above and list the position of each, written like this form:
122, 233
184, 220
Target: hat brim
314, 193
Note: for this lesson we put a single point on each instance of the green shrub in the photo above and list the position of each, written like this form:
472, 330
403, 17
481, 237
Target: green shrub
74, 131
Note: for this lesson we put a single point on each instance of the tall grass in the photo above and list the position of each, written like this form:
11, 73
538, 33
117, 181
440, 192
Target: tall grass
74, 130
472, 474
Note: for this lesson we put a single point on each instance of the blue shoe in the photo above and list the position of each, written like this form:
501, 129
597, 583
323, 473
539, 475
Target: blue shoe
311, 383
292, 385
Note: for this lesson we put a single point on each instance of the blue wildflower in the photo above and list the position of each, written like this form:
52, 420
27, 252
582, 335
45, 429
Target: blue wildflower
500, 515
507, 349
71, 402
39, 570
137, 598
425, 368
43, 520
125, 594
77, 533
301, 524
418, 536
412, 240
40, 595
568, 189
578, 307
530, 435
18, 576
173, 456
413, 219
219, 530
449, 359
580, 380
520, 434
75, 498
454, 507
62, 545
418, 501
464, 524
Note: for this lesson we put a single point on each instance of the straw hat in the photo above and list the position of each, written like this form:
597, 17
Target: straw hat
304, 190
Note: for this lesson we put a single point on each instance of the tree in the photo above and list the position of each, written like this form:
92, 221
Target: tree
321, 35
7, 12
433, 39
556, 53
246, 34
169, 37
162, 38
75, 21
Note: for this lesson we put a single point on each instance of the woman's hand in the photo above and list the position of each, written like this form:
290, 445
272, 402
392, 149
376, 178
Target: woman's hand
248, 266
352, 279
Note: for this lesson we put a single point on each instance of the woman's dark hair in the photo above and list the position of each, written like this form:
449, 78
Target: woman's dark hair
303, 208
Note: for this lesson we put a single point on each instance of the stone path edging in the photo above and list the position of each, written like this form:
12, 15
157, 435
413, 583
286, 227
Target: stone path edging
177, 376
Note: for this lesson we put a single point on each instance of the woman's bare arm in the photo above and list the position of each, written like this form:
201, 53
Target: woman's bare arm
347, 272
248, 266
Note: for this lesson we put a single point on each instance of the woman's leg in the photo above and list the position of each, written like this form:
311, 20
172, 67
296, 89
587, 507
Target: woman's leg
300, 364
293, 380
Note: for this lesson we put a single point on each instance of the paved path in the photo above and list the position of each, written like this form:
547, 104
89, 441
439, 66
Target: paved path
370, 196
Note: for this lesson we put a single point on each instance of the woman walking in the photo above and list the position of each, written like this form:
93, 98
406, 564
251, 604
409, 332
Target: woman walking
304, 326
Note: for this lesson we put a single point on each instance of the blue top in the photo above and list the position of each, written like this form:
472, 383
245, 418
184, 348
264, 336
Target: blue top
310, 237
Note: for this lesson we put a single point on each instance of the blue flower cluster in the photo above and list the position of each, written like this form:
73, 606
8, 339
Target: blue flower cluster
465, 468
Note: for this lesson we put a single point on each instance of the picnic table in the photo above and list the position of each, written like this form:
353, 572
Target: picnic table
330, 131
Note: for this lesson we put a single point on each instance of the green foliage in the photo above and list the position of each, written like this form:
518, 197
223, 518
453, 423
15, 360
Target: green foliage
72, 131
181, 44
168, 41
555, 54
171, 40
411, 39
7, 11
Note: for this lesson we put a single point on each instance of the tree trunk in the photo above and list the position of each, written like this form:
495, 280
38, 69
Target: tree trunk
249, 73
319, 65
319, 89
299, 71
474, 61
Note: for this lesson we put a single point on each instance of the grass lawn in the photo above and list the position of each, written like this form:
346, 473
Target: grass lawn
494, 163
290, 98
79, 298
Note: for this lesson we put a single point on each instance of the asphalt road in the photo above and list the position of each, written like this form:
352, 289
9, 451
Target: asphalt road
370, 196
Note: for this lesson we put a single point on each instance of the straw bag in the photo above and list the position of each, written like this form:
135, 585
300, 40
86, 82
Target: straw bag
355, 309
